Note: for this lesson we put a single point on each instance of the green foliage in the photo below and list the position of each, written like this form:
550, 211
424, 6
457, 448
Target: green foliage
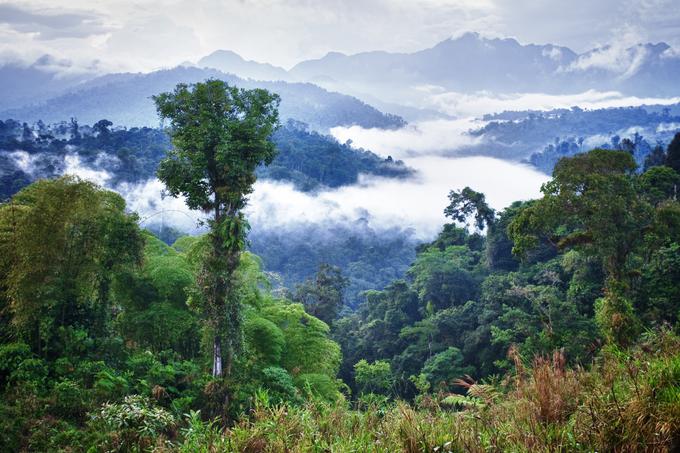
467, 202
319, 386
311, 160
221, 134
442, 369
446, 277
307, 346
616, 318
374, 377
659, 184
593, 204
280, 386
65, 280
150, 351
323, 297
266, 338
11, 356
126, 367
135, 423
156, 314
673, 153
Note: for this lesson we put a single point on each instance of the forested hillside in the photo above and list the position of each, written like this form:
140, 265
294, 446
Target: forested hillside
543, 137
418, 226
131, 155
573, 297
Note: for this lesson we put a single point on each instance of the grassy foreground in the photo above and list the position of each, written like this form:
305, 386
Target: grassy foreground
628, 401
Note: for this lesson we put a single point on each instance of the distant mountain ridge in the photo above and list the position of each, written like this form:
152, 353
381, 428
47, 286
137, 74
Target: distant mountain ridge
395, 82
232, 63
47, 76
125, 99
471, 63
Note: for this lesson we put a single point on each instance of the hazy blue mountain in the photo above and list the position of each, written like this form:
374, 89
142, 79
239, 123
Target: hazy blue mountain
26, 83
232, 63
472, 63
125, 99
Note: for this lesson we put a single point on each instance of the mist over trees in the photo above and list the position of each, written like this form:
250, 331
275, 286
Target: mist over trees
550, 324
309, 160
97, 330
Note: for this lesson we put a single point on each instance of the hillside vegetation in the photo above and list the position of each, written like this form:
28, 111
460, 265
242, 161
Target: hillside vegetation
573, 347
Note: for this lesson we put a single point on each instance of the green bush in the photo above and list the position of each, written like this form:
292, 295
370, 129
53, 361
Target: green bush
69, 400
280, 386
11, 355
319, 386
133, 424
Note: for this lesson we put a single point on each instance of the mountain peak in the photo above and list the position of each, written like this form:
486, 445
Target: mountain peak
230, 62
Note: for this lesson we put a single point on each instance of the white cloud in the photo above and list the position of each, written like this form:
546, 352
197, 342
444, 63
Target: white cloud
477, 104
383, 203
283, 32
554, 53
434, 136
148, 199
387, 203
668, 127
416, 203
624, 61
74, 166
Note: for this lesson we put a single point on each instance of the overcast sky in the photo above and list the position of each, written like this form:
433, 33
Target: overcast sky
149, 34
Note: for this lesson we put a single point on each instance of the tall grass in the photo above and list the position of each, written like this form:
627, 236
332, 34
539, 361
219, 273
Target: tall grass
627, 401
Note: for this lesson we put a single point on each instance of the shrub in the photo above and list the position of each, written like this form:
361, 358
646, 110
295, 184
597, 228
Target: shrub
319, 386
134, 424
280, 386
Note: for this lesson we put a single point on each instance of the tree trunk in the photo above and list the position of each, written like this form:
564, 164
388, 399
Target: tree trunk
217, 357
229, 362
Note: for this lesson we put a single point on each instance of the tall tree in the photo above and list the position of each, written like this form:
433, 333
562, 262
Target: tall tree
221, 134
323, 296
673, 153
592, 203
467, 202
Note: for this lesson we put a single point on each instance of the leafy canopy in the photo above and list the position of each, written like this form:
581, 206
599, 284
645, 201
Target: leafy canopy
221, 135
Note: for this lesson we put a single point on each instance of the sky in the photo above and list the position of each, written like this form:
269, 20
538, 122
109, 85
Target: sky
142, 35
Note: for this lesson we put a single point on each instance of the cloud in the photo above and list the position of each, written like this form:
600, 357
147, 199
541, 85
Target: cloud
151, 38
150, 201
477, 104
554, 53
74, 166
668, 127
625, 57
283, 32
379, 203
383, 203
427, 137
49, 24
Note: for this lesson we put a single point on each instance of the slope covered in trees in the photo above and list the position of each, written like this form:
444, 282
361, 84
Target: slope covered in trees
570, 271
543, 137
100, 347
131, 155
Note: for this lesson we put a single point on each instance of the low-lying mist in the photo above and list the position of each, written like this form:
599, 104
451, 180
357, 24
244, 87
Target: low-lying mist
415, 203
384, 203
463, 105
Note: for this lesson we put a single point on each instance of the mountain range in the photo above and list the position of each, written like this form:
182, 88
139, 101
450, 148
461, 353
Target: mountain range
125, 99
393, 82
471, 63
